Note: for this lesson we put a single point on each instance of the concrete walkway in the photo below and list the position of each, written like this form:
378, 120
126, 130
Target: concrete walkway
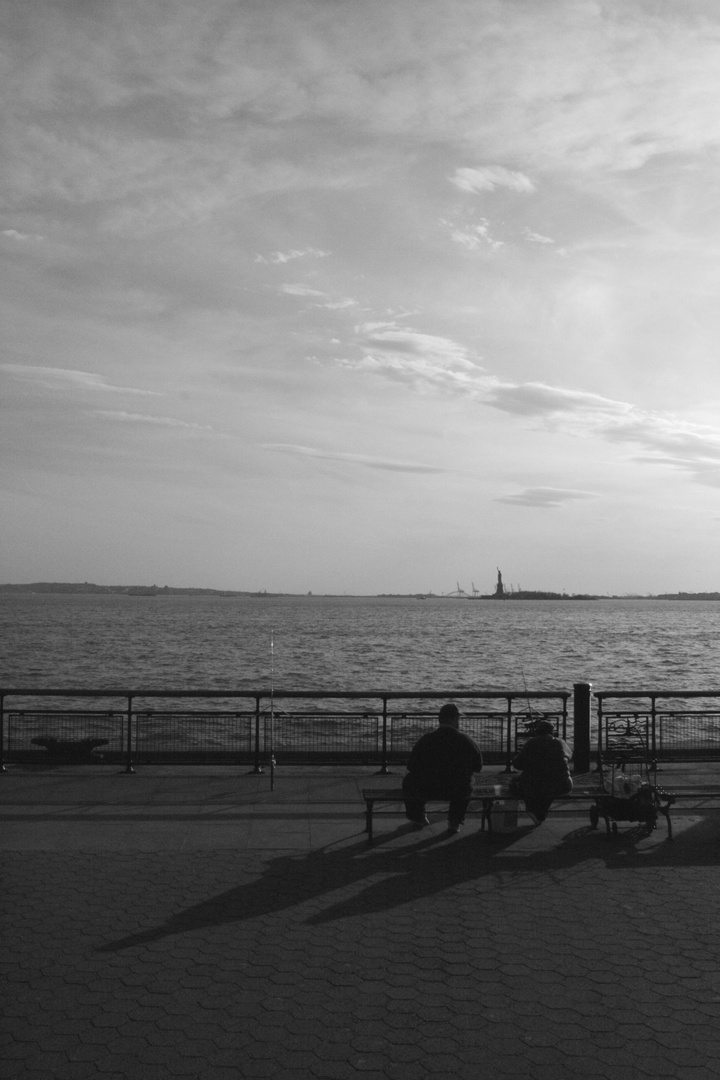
193, 923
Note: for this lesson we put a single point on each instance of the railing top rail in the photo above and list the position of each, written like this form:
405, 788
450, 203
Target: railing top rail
393, 695
67, 712
667, 711
602, 695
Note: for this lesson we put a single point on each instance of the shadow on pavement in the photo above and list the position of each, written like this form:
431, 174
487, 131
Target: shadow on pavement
378, 878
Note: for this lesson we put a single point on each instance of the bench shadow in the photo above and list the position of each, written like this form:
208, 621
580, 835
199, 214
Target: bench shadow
367, 879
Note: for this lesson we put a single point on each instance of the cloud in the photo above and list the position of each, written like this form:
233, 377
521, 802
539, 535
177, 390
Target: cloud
476, 236
21, 237
338, 305
544, 497
490, 177
666, 439
143, 418
52, 378
280, 257
539, 399
431, 363
537, 238
323, 299
423, 360
157, 119
301, 290
353, 459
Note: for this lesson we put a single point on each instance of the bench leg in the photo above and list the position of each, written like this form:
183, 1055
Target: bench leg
665, 811
369, 819
486, 816
596, 812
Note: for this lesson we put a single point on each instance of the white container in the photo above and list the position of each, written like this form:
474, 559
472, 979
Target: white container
504, 816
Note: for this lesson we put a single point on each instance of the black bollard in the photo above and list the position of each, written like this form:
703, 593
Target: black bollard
581, 727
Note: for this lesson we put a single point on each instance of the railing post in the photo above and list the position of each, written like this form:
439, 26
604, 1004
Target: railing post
383, 770
509, 755
581, 726
128, 746
600, 748
257, 769
2, 733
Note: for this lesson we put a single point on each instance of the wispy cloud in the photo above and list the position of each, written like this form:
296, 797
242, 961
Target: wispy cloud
539, 399
537, 238
666, 439
143, 418
301, 290
338, 305
20, 237
544, 498
365, 460
423, 360
490, 177
472, 237
278, 258
429, 362
321, 299
52, 378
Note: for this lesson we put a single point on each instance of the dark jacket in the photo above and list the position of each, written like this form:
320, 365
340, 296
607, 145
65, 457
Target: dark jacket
444, 754
544, 758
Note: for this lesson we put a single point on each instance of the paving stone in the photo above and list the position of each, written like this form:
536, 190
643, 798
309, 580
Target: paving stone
365, 963
398, 1070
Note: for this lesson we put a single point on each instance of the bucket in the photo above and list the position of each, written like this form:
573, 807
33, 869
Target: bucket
504, 815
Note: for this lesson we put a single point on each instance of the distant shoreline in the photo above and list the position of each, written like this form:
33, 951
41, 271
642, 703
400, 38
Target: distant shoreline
88, 588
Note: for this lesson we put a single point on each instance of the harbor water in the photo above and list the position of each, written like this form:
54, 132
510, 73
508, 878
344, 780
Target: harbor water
256, 644
350, 643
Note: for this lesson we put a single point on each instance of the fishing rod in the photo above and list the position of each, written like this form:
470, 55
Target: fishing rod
529, 711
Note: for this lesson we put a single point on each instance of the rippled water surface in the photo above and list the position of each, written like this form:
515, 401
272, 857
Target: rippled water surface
202, 642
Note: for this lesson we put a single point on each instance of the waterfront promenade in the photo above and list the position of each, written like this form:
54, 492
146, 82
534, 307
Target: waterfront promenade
189, 922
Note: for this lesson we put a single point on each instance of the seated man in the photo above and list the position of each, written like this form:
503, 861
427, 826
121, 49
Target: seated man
544, 760
440, 766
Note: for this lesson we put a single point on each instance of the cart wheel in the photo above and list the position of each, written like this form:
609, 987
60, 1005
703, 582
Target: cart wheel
594, 817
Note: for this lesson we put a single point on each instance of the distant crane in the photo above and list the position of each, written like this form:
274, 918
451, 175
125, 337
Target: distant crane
475, 592
459, 593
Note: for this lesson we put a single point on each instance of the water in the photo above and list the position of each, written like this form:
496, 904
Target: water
343, 643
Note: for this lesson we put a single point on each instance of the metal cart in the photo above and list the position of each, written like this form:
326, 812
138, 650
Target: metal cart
629, 793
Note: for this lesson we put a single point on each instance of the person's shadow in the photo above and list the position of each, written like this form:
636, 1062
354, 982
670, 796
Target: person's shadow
371, 879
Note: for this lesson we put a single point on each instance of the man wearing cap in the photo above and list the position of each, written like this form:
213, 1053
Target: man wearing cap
440, 766
544, 760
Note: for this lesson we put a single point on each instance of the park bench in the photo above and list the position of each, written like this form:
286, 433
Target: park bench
602, 805
702, 794
395, 795
486, 796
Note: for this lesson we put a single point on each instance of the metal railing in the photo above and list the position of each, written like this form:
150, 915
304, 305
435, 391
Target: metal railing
659, 725
345, 727
249, 727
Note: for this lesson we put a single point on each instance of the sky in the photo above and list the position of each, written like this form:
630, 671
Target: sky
358, 296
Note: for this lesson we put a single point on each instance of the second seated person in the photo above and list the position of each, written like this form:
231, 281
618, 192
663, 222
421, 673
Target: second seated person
545, 764
441, 766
